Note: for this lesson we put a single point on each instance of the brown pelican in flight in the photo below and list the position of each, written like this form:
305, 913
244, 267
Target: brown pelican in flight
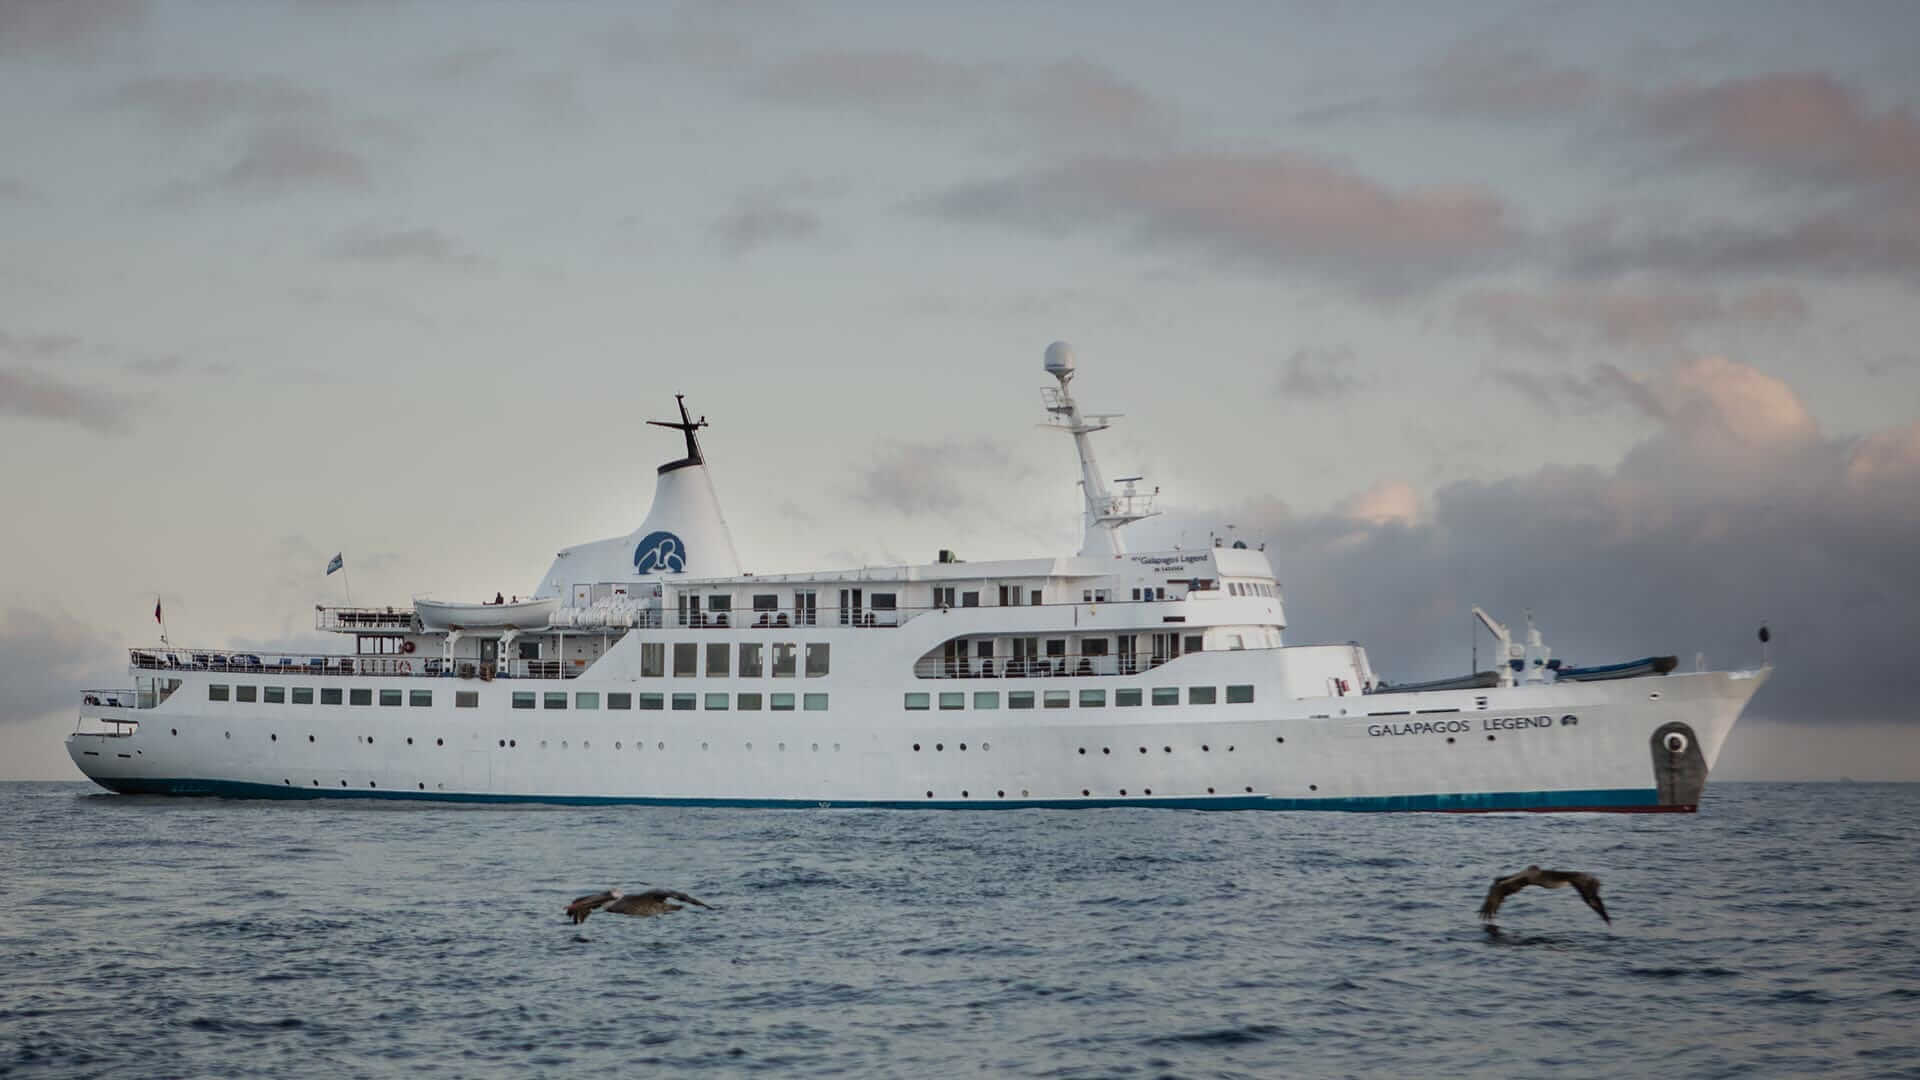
1586, 885
651, 902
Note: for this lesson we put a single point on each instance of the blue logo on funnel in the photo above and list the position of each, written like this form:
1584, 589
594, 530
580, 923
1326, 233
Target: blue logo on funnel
660, 551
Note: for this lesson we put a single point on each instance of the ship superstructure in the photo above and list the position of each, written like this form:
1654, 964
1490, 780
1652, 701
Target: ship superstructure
650, 668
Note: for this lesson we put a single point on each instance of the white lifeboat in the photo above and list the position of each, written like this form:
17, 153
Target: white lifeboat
522, 615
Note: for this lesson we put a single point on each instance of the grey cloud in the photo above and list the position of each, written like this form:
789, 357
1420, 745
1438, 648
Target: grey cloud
416, 245
1565, 315
1318, 373
948, 480
1733, 511
277, 161
1603, 385
45, 660
202, 101
33, 395
1856, 239
1802, 126
39, 346
67, 29
1276, 212
1503, 81
1070, 99
18, 191
768, 216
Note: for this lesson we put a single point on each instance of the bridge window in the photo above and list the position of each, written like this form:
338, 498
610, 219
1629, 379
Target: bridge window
1126, 696
718, 657
1201, 695
785, 654
1019, 699
1058, 699
817, 658
246, 693
749, 703
522, 699
750, 665
329, 695
275, 695
949, 701
653, 659
218, 692
813, 702
685, 702
1093, 699
1033, 597
986, 699
1239, 695
554, 699
466, 699
359, 697
586, 699
619, 701
420, 699
1196, 643
780, 702
942, 596
918, 702
970, 599
1166, 695
303, 695
653, 702
686, 660
719, 701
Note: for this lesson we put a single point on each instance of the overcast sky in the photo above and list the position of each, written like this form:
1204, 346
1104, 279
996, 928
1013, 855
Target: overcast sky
1606, 311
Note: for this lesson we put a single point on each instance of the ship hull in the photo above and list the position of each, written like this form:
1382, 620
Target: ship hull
1599, 747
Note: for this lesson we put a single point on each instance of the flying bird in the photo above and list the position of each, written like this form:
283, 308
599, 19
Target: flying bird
651, 902
1586, 885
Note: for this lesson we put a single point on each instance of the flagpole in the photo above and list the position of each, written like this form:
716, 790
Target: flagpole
346, 582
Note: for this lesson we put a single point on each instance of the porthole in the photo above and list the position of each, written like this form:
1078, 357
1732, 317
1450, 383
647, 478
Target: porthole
512, 743
1167, 749
286, 781
1280, 738
176, 731
275, 737
783, 746
1000, 794
1106, 750
369, 740
1489, 738
929, 794
503, 744
836, 746
1123, 791
1084, 791
1023, 793
229, 734
1229, 749
316, 783
409, 740
1143, 749
749, 746
963, 746
439, 742
939, 746
343, 783
916, 747
616, 744
1205, 749
986, 746
963, 793
543, 744
1083, 751
1313, 787
1249, 791
1449, 740
309, 738
1209, 791
703, 746
586, 744
423, 785
371, 784
1147, 791
658, 746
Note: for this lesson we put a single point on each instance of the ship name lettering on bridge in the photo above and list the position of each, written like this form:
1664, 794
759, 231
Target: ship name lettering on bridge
1461, 726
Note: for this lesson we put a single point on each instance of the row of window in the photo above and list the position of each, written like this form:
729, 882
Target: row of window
522, 699
334, 695
1252, 588
754, 661
920, 701
681, 702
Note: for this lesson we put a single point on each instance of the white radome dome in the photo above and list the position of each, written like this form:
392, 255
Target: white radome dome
1059, 359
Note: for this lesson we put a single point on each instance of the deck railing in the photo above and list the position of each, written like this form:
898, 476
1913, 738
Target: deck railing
302, 665
1040, 667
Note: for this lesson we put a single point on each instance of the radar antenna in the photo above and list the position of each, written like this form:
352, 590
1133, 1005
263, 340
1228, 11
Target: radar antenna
686, 426
1105, 511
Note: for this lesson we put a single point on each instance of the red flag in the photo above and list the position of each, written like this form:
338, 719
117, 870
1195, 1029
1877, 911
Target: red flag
156, 611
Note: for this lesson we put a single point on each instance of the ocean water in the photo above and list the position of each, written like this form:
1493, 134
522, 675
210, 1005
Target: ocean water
1777, 932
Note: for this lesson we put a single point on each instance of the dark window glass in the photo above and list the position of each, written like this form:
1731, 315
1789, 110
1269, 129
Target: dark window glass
275, 695
217, 692
1019, 699
1200, 695
1166, 695
816, 659
619, 701
359, 697
686, 659
781, 702
685, 702
1239, 695
329, 695
749, 702
390, 697
1128, 695
653, 659
420, 699
246, 693
303, 695
652, 702
466, 699
554, 699
523, 699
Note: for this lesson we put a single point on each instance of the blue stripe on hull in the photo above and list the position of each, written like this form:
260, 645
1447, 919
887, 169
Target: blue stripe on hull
1615, 799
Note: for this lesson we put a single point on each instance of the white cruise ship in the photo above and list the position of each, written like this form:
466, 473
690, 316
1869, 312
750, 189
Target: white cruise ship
649, 668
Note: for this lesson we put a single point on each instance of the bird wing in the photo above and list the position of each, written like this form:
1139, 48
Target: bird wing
669, 894
1500, 890
585, 905
1589, 889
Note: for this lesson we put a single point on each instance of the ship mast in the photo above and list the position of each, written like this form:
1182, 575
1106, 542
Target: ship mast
1105, 511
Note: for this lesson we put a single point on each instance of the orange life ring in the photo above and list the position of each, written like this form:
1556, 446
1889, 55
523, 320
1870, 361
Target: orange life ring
406, 667
406, 646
